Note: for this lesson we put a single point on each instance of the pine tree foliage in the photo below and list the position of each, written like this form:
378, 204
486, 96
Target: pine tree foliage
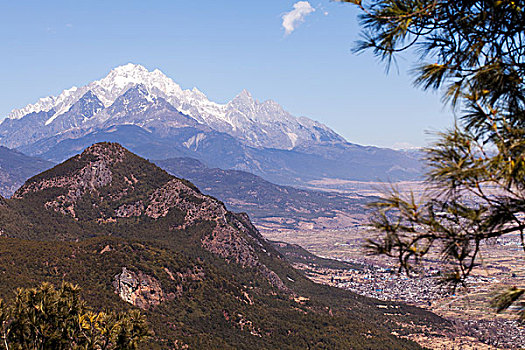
49, 318
474, 53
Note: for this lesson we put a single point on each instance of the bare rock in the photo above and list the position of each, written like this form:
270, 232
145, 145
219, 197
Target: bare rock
138, 289
232, 234
106, 249
129, 210
92, 176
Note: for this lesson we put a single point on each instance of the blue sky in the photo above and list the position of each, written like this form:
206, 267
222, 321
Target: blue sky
221, 47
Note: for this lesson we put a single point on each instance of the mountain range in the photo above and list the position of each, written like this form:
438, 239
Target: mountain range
271, 206
150, 114
133, 236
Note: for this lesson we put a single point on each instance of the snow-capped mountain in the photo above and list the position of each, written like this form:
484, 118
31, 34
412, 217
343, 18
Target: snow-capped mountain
257, 124
153, 116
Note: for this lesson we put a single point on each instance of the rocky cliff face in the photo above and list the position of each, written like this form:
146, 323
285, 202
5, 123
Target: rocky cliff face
232, 238
139, 289
145, 291
95, 174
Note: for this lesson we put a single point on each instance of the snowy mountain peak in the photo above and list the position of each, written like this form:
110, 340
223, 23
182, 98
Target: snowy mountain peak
61, 103
130, 68
107, 89
132, 89
244, 99
245, 94
198, 93
122, 78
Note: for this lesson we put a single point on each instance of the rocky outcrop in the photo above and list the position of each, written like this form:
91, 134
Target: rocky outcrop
138, 289
93, 175
225, 240
233, 237
129, 210
177, 194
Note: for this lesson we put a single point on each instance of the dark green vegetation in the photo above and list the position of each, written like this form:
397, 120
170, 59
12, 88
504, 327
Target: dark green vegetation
474, 52
16, 167
49, 318
262, 200
205, 277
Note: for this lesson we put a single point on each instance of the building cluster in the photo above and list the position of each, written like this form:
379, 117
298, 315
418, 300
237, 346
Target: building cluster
500, 333
384, 284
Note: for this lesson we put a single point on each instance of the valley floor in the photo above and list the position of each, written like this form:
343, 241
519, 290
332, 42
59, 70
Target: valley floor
503, 265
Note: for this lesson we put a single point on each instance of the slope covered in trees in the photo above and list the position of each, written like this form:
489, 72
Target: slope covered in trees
132, 236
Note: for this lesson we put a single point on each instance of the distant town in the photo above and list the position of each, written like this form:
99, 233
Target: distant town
467, 308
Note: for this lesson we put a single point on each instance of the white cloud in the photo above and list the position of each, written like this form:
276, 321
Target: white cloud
292, 19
